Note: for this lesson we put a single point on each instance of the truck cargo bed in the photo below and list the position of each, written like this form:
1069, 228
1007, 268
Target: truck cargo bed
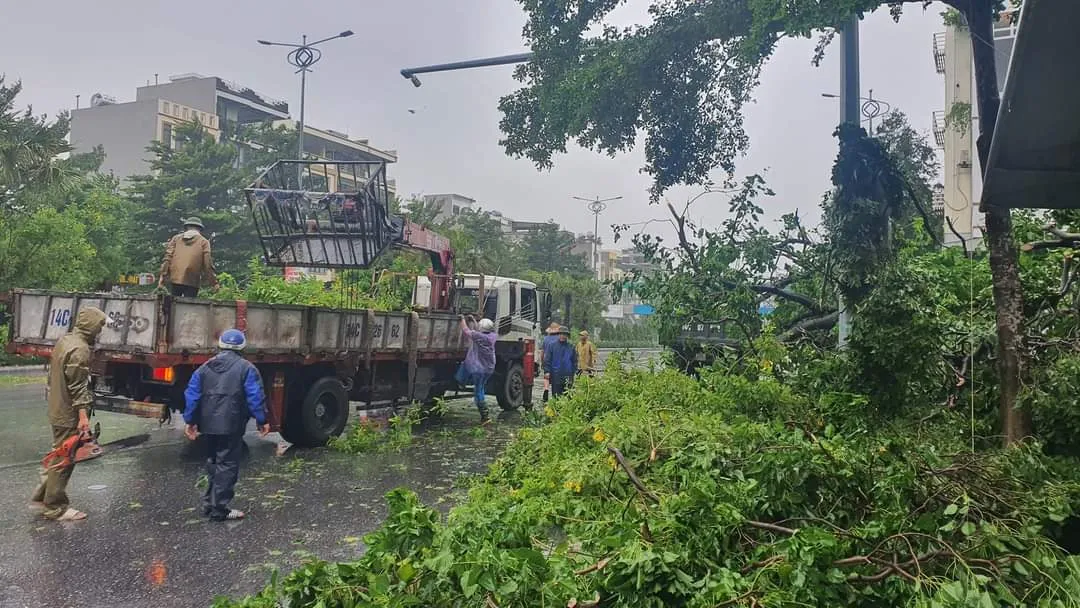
168, 328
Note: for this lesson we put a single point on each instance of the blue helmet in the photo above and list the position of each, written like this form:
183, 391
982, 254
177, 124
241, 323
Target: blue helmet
232, 339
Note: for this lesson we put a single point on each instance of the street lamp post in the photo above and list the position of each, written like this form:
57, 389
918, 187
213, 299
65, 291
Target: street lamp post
597, 206
870, 109
849, 113
410, 73
303, 56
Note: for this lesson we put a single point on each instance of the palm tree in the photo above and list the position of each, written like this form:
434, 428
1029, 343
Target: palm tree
29, 146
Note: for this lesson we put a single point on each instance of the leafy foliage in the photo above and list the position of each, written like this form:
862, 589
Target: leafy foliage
347, 290
74, 235
679, 81
549, 249
195, 176
29, 146
652, 489
586, 295
368, 436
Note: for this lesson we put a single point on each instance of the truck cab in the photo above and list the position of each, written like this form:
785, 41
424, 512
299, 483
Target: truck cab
517, 307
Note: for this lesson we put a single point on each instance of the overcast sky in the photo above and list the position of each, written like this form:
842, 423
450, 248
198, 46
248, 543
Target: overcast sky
60, 48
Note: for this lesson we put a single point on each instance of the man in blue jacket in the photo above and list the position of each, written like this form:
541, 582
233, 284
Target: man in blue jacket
560, 363
550, 338
222, 394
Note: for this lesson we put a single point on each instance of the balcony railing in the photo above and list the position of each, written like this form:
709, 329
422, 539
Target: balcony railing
1007, 24
939, 52
938, 121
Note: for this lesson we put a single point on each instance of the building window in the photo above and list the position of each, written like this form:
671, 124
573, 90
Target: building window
166, 135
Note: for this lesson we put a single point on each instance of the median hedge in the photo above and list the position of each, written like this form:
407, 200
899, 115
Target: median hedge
648, 488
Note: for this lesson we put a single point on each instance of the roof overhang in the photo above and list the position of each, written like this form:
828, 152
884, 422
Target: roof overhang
1035, 153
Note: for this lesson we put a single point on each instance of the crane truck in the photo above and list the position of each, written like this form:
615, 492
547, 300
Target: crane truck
314, 361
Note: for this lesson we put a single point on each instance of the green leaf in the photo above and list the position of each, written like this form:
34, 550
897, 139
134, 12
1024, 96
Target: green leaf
468, 583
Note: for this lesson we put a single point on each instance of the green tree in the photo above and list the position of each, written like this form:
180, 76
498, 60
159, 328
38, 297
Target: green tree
199, 177
60, 226
480, 245
682, 81
424, 212
588, 297
549, 249
259, 145
29, 146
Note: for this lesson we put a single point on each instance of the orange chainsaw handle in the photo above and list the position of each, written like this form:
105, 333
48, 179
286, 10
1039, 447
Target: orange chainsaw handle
63, 456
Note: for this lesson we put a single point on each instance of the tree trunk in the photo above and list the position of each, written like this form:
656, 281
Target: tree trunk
1004, 265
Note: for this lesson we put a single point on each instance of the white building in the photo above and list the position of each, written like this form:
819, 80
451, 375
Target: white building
125, 129
962, 179
449, 205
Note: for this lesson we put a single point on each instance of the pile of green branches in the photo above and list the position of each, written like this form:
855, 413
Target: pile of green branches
649, 488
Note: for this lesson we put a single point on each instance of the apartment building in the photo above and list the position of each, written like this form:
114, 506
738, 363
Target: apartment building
221, 106
956, 127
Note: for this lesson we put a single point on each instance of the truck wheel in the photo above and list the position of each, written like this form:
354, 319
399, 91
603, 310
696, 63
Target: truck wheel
322, 415
510, 388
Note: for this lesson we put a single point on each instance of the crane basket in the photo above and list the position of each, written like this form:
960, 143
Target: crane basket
323, 214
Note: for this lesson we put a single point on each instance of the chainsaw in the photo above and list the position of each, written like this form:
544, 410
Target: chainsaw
77, 448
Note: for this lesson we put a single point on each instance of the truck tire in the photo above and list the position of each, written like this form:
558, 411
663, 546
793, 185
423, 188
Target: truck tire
510, 388
321, 415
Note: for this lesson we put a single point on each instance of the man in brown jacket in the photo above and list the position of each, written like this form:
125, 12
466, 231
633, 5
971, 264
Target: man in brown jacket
69, 399
187, 261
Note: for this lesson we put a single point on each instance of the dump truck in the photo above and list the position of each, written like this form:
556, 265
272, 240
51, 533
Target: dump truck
314, 361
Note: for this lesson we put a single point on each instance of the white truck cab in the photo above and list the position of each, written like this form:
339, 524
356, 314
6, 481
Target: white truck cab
517, 307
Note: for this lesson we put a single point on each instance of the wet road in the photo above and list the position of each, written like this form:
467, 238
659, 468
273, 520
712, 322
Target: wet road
145, 545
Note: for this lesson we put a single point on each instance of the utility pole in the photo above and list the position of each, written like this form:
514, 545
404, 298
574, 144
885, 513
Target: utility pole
849, 113
303, 56
597, 206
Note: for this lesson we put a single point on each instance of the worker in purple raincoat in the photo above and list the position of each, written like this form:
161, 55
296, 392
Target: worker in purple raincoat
480, 361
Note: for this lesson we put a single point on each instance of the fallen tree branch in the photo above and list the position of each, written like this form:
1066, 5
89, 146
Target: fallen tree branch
634, 479
819, 322
963, 241
762, 525
593, 568
1063, 240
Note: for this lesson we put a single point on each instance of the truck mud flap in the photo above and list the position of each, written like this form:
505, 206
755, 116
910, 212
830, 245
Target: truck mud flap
123, 405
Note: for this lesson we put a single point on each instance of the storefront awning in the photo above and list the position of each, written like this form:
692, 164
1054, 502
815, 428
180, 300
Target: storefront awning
1035, 152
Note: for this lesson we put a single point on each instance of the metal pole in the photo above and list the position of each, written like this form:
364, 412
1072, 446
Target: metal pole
303, 56
410, 73
303, 88
870, 116
849, 113
596, 244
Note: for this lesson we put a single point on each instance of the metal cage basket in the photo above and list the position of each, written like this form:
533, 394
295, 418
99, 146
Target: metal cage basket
323, 214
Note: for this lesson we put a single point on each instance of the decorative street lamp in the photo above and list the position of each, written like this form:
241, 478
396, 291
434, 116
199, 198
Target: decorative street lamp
597, 206
870, 109
303, 56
